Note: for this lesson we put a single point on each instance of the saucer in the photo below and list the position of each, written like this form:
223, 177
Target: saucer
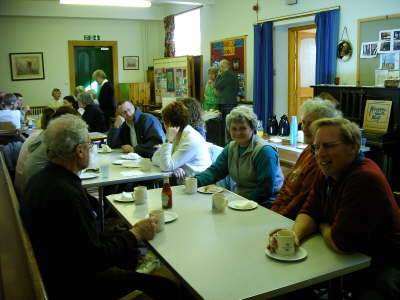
210, 189
118, 162
130, 164
169, 216
132, 156
88, 175
118, 198
300, 254
243, 204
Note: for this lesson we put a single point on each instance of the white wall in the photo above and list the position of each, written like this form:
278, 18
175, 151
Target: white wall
229, 18
50, 35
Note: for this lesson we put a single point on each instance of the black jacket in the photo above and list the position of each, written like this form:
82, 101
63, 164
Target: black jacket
94, 117
107, 99
61, 220
149, 132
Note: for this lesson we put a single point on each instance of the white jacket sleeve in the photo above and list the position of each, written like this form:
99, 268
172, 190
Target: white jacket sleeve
182, 154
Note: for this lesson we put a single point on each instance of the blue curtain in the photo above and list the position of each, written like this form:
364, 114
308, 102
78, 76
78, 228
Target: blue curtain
326, 42
263, 89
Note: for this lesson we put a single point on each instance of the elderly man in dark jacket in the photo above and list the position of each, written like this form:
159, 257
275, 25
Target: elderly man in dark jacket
75, 259
135, 131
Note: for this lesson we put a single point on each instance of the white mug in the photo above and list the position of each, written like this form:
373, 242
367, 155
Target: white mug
285, 242
145, 165
191, 185
219, 202
140, 195
159, 215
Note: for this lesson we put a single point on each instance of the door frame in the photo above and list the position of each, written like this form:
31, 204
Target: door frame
71, 58
292, 65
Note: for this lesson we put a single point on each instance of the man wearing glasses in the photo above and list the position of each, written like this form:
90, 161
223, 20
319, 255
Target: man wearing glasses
352, 206
76, 260
135, 131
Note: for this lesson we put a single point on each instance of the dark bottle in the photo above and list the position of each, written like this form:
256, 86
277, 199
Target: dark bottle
272, 125
166, 193
284, 127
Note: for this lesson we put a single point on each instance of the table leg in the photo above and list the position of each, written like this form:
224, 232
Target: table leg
101, 202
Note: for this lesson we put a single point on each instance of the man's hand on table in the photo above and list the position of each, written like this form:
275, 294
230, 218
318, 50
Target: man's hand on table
127, 148
145, 230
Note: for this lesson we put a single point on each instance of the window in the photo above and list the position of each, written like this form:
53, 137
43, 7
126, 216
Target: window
187, 33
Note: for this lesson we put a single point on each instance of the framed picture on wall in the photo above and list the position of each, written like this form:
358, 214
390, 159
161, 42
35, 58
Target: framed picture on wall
131, 62
27, 66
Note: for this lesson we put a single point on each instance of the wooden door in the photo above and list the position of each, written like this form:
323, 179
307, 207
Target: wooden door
301, 63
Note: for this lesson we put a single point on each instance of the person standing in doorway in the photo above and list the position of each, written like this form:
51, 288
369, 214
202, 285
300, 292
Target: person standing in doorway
106, 95
227, 88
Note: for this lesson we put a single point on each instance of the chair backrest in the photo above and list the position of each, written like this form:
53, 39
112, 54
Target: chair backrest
214, 151
19, 274
37, 110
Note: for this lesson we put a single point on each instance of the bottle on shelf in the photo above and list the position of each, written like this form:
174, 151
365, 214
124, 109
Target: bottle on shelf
166, 193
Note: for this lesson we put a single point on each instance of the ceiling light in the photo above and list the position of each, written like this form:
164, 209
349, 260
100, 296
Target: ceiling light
125, 3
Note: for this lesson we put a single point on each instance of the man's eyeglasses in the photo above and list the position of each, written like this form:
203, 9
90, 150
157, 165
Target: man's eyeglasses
90, 144
316, 147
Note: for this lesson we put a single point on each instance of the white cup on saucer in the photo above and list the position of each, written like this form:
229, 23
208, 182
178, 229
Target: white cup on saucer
191, 185
285, 239
219, 202
159, 215
140, 195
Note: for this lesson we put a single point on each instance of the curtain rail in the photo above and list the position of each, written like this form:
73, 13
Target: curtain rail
299, 15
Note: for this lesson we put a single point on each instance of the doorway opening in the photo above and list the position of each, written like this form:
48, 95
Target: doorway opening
301, 62
87, 56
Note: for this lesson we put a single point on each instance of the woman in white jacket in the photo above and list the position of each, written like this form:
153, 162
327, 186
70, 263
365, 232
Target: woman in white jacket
185, 151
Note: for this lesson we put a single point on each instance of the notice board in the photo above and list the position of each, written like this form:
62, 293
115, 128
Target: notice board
234, 50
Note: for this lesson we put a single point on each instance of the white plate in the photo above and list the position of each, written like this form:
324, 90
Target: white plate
300, 254
276, 140
210, 189
239, 204
169, 216
118, 162
131, 156
88, 175
130, 164
301, 146
118, 198
103, 152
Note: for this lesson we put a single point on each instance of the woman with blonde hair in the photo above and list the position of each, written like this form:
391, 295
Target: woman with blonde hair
185, 151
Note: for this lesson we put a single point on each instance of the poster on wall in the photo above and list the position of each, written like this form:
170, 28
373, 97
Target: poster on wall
234, 50
369, 49
377, 115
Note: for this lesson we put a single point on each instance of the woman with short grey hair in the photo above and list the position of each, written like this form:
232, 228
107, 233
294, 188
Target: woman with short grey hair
242, 114
248, 160
93, 115
299, 180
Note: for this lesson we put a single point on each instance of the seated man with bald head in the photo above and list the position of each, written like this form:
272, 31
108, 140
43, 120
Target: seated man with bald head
76, 260
135, 131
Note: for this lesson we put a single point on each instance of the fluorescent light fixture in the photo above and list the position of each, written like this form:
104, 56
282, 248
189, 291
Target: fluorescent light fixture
124, 3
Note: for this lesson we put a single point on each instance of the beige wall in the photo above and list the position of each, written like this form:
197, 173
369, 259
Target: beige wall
50, 35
